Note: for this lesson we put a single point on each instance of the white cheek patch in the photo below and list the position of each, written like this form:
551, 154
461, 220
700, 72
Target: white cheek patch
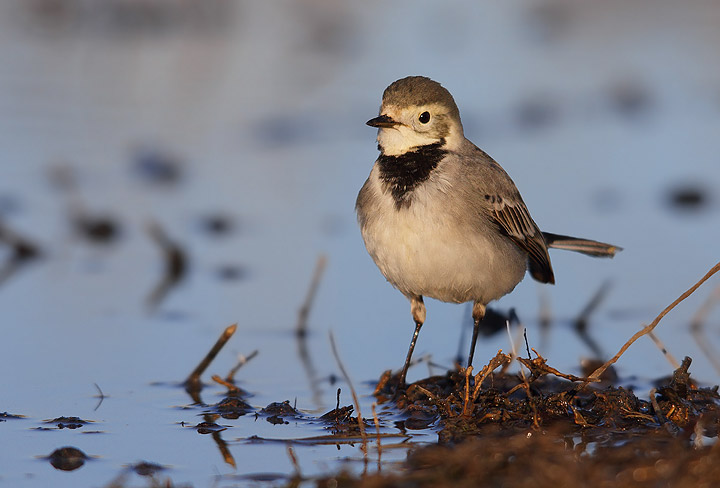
401, 139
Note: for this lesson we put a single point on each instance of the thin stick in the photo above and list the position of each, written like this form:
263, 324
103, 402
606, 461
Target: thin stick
499, 360
194, 378
697, 324
539, 367
668, 355
466, 403
513, 350
704, 310
301, 328
361, 425
598, 372
527, 344
653, 400
232, 389
241, 362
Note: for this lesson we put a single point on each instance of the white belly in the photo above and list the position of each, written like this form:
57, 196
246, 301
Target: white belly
425, 250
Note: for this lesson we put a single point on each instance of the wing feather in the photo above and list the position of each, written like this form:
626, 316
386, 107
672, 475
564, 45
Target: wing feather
514, 220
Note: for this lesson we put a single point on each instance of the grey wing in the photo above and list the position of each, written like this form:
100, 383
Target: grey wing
505, 208
513, 219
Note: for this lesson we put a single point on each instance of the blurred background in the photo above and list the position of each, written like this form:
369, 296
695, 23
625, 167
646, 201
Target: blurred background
168, 168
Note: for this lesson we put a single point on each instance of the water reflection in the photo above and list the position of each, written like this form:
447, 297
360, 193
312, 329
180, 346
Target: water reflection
175, 265
67, 458
21, 252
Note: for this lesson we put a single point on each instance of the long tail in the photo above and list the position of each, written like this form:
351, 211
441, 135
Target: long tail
584, 246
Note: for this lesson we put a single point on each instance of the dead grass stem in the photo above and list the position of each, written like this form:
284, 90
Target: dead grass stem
230, 378
668, 355
193, 381
648, 328
698, 323
361, 424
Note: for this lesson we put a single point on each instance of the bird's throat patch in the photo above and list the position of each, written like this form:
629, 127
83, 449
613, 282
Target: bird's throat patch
403, 173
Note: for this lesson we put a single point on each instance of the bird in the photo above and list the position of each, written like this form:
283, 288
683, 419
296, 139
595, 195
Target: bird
440, 218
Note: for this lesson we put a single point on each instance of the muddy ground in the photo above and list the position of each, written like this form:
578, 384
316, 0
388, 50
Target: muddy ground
543, 430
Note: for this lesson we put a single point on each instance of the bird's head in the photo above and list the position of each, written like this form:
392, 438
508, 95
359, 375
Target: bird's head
417, 111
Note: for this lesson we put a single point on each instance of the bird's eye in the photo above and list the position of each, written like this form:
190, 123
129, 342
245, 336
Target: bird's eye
424, 117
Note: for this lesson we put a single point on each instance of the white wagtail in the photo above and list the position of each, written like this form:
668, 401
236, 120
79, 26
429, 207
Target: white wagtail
440, 217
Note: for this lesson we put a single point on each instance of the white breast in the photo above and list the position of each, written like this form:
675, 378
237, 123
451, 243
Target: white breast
429, 249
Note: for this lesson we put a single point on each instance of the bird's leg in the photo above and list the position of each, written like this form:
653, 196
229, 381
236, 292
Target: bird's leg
417, 308
478, 312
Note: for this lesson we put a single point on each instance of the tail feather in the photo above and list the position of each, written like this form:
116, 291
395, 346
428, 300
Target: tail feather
584, 246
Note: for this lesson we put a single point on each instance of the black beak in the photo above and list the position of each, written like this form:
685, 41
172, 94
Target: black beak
382, 121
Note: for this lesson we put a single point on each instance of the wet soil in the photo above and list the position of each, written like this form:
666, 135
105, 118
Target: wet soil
544, 428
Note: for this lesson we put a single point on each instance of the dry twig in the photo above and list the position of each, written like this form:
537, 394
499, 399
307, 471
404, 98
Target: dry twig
539, 367
193, 383
361, 424
241, 362
232, 389
499, 360
668, 355
598, 372
697, 324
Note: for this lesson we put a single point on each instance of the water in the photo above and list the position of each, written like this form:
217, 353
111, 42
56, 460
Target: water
262, 110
